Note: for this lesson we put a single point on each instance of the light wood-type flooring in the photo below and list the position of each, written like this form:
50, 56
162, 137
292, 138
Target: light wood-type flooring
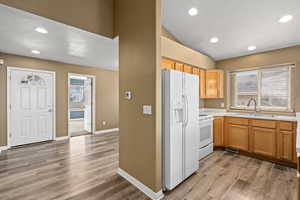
84, 168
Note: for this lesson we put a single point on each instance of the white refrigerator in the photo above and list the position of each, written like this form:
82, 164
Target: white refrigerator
180, 126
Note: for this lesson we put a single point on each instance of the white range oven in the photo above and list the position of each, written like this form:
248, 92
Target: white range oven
205, 135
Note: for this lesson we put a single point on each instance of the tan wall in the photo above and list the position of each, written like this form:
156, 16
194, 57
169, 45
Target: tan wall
96, 16
280, 56
176, 51
139, 71
106, 92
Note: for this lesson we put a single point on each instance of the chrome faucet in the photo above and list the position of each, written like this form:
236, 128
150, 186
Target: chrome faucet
255, 103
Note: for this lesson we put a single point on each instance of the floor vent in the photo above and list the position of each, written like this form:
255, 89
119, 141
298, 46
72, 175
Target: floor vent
232, 150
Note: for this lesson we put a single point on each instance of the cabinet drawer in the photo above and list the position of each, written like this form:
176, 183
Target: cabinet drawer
288, 126
264, 123
238, 120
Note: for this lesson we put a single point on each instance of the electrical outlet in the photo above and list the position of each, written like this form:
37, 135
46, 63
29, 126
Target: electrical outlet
222, 105
1, 62
103, 123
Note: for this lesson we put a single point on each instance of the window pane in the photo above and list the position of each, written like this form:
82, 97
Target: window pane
275, 87
245, 88
246, 82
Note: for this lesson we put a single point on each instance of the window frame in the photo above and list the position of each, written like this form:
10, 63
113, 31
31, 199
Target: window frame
259, 70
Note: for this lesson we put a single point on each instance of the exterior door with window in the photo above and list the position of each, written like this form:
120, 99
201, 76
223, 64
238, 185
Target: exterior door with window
31, 106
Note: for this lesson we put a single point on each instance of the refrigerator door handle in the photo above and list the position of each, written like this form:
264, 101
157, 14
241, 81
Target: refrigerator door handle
185, 110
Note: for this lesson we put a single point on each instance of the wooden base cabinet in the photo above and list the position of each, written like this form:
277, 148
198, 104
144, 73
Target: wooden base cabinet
218, 131
298, 179
264, 141
238, 137
286, 145
270, 139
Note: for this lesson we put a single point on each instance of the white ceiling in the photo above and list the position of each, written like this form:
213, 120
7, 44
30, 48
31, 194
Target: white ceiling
63, 43
237, 23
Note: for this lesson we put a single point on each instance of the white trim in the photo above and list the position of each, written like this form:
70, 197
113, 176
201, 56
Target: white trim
9, 69
93, 100
298, 133
107, 131
3, 148
62, 138
146, 190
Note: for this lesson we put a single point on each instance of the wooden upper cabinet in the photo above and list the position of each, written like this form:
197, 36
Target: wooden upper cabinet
188, 69
214, 83
179, 67
211, 80
219, 131
196, 71
167, 64
202, 81
264, 141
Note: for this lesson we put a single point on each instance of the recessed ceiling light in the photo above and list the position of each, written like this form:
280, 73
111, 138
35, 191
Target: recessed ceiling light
41, 30
285, 19
251, 48
214, 40
35, 52
193, 11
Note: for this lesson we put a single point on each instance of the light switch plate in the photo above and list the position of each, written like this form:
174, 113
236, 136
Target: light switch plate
147, 110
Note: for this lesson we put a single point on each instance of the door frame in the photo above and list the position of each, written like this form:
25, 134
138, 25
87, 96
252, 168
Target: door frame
8, 80
93, 106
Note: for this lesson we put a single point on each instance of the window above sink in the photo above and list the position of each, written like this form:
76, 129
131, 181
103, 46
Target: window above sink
271, 89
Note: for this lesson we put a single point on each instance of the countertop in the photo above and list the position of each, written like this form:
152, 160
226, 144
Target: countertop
220, 112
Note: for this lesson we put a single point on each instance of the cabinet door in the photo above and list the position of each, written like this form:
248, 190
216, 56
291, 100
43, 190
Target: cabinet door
167, 64
196, 71
179, 67
218, 131
202, 83
188, 69
264, 141
213, 84
238, 137
286, 145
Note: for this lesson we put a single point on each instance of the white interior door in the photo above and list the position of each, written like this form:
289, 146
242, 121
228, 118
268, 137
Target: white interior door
88, 105
31, 102
191, 125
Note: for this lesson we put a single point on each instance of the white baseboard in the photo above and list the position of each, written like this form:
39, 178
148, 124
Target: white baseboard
146, 190
3, 148
107, 131
62, 138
